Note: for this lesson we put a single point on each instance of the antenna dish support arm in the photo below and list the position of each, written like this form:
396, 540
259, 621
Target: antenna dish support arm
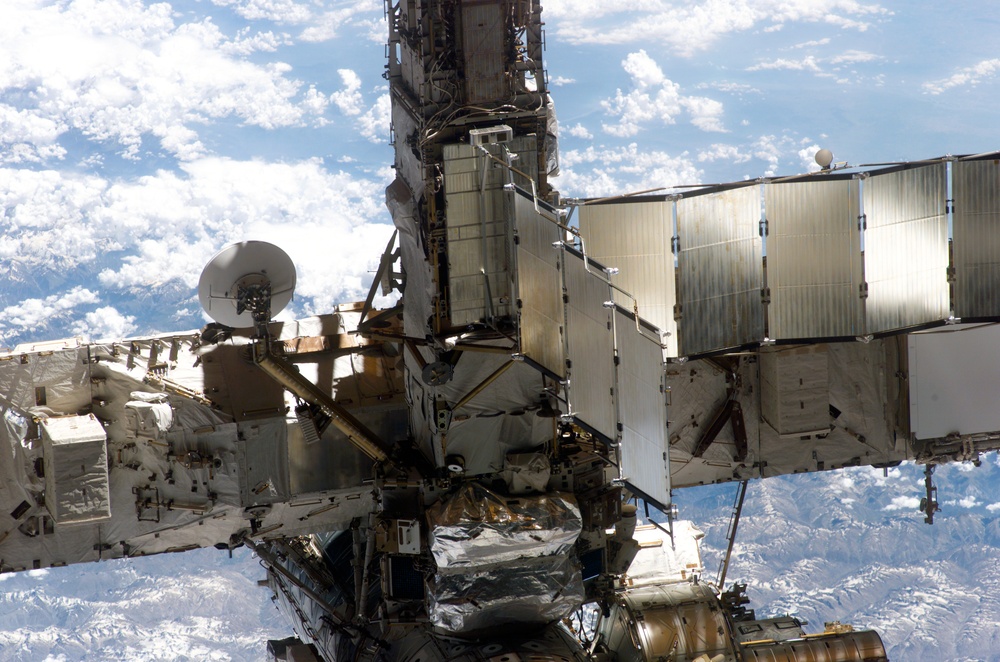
357, 433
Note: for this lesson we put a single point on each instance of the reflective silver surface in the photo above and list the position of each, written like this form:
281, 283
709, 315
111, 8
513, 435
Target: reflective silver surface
479, 235
476, 526
642, 403
976, 241
719, 270
590, 346
906, 248
533, 592
813, 259
635, 238
502, 560
483, 36
539, 286
480, 240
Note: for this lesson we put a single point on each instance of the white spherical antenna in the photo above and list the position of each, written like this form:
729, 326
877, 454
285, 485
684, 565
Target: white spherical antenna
246, 278
824, 158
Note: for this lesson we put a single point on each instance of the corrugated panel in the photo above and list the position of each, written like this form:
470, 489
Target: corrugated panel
813, 259
720, 272
523, 150
642, 405
463, 164
468, 234
590, 346
906, 248
539, 285
483, 34
976, 238
479, 237
466, 174
635, 238
479, 230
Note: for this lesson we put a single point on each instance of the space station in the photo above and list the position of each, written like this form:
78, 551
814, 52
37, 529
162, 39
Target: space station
484, 471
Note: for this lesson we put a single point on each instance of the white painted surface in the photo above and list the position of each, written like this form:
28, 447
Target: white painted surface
955, 381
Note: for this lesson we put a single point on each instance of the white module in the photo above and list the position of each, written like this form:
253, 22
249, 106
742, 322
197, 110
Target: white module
76, 469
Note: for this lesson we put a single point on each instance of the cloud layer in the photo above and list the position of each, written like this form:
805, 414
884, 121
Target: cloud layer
156, 233
164, 88
687, 28
655, 98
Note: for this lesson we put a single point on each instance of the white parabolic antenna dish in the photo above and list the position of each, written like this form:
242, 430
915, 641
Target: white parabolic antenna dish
248, 263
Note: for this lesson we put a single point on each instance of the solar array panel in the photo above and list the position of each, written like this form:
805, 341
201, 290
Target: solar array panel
828, 257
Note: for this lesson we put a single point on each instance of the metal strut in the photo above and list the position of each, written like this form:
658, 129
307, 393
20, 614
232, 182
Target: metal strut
929, 504
734, 521
356, 432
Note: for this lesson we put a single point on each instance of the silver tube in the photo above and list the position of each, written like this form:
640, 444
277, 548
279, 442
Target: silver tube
359, 435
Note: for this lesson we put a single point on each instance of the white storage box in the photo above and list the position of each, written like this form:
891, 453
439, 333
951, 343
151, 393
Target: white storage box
75, 455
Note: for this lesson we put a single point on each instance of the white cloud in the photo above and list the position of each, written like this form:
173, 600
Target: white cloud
816, 42
244, 43
643, 70
854, 57
965, 502
689, 27
807, 156
182, 142
105, 323
559, 81
723, 152
32, 315
316, 103
319, 25
903, 503
283, 11
771, 149
596, 172
881, 479
966, 77
327, 25
374, 30
221, 201
844, 482
808, 63
120, 71
706, 114
374, 123
29, 136
44, 220
815, 65
159, 231
349, 99
730, 87
849, 14
579, 131
655, 98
